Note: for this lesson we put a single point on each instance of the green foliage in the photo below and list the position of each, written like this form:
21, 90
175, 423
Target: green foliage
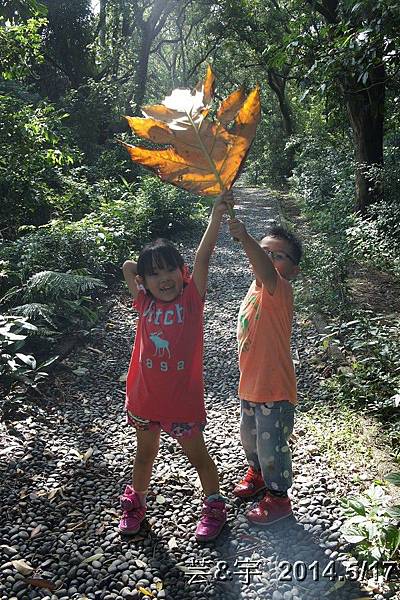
55, 302
323, 179
67, 43
376, 239
324, 183
127, 217
30, 167
371, 524
19, 371
371, 378
92, 110
323, 286
268, 161
20, 47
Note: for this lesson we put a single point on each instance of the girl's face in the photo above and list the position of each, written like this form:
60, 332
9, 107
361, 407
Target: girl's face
164, 283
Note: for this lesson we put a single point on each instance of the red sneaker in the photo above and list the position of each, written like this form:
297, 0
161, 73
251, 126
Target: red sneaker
213, 518
252, 483
133, 512
270, 510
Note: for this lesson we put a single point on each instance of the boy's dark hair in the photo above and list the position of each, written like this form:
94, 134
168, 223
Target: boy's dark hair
161, 254
276, 231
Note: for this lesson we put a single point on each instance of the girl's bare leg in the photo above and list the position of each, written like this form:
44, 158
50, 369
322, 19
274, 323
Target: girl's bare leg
147, 449
197, 453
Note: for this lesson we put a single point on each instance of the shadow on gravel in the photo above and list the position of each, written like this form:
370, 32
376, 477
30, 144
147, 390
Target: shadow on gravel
301, 567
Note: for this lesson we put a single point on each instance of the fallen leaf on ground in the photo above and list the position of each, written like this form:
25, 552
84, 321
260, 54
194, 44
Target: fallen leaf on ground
145, 592
335, 587
140, 563
172, 543
22, 567
53, 493
36, 532
80, 371
87, 454
92, 558
41, 583
95, 350
76, 526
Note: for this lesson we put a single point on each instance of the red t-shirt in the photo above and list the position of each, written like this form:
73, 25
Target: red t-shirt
165, 376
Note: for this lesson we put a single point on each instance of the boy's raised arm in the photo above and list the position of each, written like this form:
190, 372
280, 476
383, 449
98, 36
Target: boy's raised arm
263, 268
129, 269
207, 243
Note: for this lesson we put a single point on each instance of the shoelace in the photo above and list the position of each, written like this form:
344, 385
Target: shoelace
250, 476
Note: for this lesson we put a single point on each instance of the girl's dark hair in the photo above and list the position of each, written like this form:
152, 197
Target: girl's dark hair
158, 254
283, 234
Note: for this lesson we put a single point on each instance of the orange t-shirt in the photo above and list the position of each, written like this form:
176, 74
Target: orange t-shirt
264, 332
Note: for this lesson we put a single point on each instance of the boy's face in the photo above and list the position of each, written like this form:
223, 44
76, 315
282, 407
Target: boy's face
280, 252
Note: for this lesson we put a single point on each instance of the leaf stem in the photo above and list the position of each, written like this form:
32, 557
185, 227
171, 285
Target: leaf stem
210, 161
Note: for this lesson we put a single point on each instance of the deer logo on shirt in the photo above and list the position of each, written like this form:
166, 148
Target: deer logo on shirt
160, 344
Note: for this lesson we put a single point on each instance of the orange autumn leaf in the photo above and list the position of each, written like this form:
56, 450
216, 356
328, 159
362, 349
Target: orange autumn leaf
202, 155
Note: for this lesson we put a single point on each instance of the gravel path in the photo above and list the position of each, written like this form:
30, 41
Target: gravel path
64, 468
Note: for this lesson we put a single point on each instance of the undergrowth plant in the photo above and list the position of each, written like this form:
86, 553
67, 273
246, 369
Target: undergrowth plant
19, 370
371, 376
372, 523
55, 302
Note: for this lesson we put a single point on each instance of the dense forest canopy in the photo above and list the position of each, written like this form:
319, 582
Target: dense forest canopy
329, 66
71, 200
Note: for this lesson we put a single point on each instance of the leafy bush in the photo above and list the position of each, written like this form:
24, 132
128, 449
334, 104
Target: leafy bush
18, 371
30, 167
323, 179
372, 523
268, 162
324, 268
372, 376
55, 302
376, 239
127, 217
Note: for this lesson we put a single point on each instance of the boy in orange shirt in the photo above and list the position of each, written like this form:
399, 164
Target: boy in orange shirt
267, 386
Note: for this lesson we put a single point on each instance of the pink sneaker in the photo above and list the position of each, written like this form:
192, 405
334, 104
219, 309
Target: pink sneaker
213, 518
133, 514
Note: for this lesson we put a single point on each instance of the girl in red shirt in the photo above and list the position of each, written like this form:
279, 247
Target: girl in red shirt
165, 389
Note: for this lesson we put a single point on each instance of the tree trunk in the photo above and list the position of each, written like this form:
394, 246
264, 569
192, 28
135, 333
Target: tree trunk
278, 84
102, 22
366, 112
142, 69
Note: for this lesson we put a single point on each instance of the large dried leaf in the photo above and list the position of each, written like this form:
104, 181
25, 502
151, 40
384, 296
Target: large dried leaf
202, 156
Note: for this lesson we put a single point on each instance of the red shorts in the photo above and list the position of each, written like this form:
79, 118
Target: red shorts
175, 430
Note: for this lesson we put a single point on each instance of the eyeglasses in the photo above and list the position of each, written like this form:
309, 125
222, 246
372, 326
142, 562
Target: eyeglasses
280, 256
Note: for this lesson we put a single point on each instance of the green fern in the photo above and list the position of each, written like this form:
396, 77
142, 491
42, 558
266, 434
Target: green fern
53, 285
35, 311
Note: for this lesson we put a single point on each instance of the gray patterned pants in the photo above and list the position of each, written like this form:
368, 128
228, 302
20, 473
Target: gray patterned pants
265, 430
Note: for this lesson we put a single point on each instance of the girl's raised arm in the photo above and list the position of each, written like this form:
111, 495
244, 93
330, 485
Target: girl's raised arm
206, 246
129, 269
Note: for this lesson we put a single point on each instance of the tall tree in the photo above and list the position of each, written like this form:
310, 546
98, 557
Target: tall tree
69, 60
261, 26
350, 49
150, 27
